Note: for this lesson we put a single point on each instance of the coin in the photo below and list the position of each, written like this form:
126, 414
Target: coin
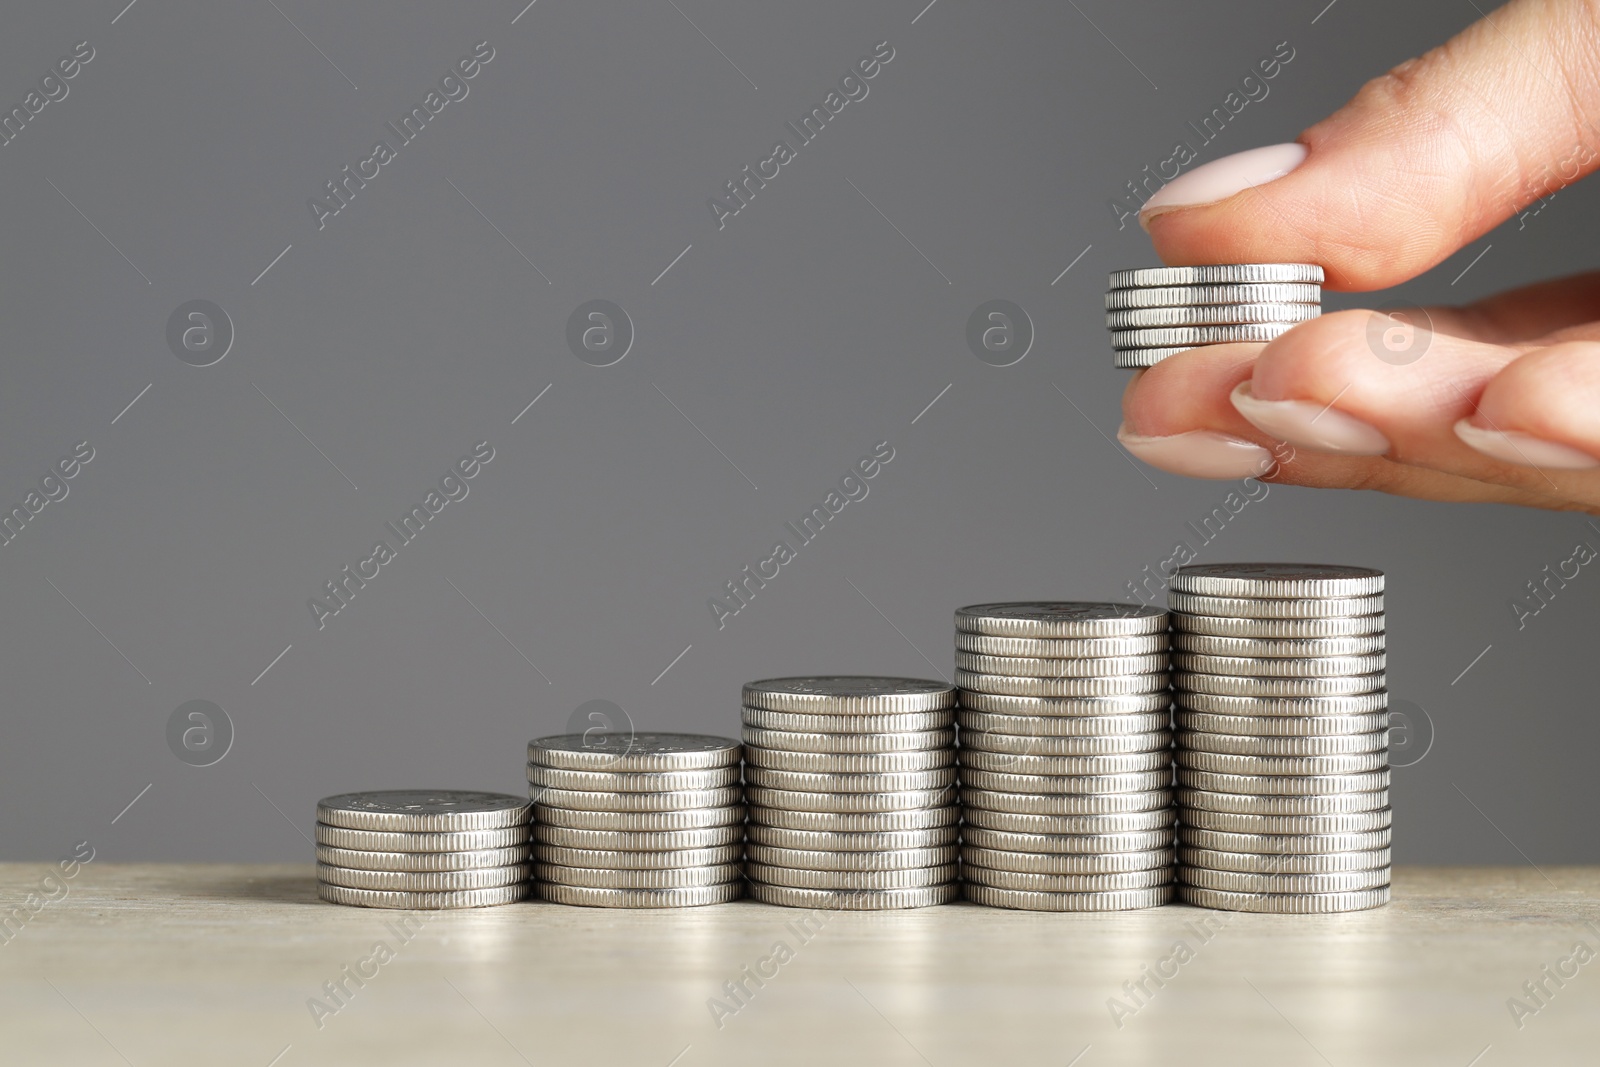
1195, 295
859, 841
1115, 823
1242, 882
597, 800
1234, 685
849, 695
1080, 667
1100, 707
777, 759
639, 840
1064, 803
1209, 315
1062, 725
910, 722
422, 810
1008, 685
1290, 785
1216, 274
1133, 358
1060, 844
422, 881
420, 901
1013, 763
795, 741
995, 859
1046, 882
640, 859
632, 781
604, 878
1042, 785
1061, 647
405, 841
1226, 763
1245, 745
363, 860
598, 750
854, 900
1175, 336
852, 822
1280, 608
639, 821
678, 897
1252, 862
1272, 648
1246, 804
1278, 629
1349, 822
799, 800
1225, 704
1025, 900
1294, 844
1061, 618
1284, 903
1296, 667
991, 742
809, 879
1277, 580
1273, 726
884, 782
897, 859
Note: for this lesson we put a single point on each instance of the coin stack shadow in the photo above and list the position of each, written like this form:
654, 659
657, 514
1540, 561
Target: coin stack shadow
1157, 312
1282, 743
422, 849
850, 783
625, 820
1065, 758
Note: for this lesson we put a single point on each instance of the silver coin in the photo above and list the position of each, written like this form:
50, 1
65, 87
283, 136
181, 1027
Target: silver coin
777, 759
995, 859
1268, 726
1100, 707
602, 878
1248, 804
1177, 336
422, 881
1137, 358
1235, 685
1246, 745
1047, 882
1209, 315
1289, 785
597, 800
639, 840
1064, 803
639, 860
403, 841
1242, 882
1007, 685
1350, 822
887, 782
1275, 608
1115, 823
547, 814
1284, 903
418, 901
1061, 647
601, 750
1197, 295
798, 878
1285, 629
632, 781
1226, 763
1014, 763
1253, 863
1061, 618
1076, 726
1277, 580
858, 841
1025, 900
422, 810
854, 822
476, 859
680, 897
1080, 667
1292, 844
1216, 274
796, 741
1068, 844
854, 900
898, 859
1276, 648
910, 722
1225, 704
805, 800
1261, 667
1047, 784
849, 695
1022, 744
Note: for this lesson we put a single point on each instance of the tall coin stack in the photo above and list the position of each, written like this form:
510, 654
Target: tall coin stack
422, 849
1282, 742
1160, 311
625, 820
851, 790
1066, 761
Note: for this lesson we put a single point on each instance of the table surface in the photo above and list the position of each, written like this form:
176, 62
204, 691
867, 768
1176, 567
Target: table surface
226, 964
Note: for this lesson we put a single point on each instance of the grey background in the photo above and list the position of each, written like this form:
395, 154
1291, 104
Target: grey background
795, 338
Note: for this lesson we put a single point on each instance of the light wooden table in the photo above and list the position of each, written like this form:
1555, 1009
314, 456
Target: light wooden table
209, 964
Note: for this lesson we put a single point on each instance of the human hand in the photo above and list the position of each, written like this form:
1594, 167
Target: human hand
1504, 404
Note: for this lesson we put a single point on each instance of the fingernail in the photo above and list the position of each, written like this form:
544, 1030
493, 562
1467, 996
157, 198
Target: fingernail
1222, 178
1525, 450
1307, 424
1199, 454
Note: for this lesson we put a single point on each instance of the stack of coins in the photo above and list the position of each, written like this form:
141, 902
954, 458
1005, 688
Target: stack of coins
1282, 742
1066, 762
625, 820
1161, 311
851, 790
424, 849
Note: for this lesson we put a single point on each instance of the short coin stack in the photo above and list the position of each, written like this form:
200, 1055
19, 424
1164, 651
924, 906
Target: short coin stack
423, 849
1282, 742
851, 789
1066, 761
636, 820
1160, 311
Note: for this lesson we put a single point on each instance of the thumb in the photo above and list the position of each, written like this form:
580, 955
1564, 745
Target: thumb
1425, 158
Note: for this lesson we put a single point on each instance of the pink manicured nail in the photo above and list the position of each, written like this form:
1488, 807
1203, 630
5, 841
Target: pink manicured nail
1307, 424
1523, 449
1199, 454
1222, 178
